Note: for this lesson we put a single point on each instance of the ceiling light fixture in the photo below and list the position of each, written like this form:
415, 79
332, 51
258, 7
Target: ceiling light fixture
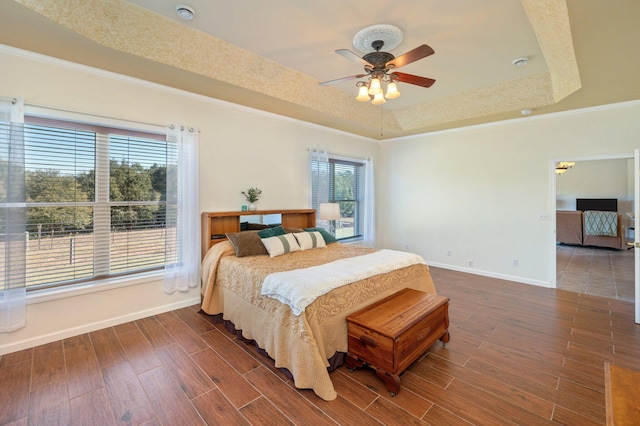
563, 166
521, 62
373, 88
185, 12
379, 66
526, 111
378, 75
370, 40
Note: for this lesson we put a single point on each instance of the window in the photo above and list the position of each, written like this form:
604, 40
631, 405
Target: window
96, 201
340, 181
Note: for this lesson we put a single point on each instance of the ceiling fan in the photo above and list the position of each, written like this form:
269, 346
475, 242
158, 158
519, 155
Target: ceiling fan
380, 67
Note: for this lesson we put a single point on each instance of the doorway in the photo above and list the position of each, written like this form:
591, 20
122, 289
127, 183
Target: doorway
592, 270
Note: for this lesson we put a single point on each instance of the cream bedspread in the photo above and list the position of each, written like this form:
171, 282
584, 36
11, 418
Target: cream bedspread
300, 287
302, 344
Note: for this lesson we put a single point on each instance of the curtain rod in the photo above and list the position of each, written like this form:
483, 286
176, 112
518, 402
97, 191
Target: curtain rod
338, 157
93, 115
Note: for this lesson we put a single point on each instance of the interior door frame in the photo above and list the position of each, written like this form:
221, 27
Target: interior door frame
552, 202
636, 235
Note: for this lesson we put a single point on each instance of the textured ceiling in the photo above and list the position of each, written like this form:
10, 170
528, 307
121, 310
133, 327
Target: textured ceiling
271, 55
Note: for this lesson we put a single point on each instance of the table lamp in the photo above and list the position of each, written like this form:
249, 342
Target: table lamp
330, 212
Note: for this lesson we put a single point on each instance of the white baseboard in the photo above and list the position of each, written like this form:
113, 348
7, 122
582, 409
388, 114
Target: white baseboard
475, 271
86, 328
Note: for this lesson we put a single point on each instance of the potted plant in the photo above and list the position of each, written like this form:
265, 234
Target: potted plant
252, 195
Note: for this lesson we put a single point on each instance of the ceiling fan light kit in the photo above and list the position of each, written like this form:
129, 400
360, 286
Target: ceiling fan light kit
379, 66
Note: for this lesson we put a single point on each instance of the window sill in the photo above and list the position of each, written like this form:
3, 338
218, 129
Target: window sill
46, 295
353, 241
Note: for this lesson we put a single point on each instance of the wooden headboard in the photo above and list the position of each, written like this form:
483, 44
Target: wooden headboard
216, 224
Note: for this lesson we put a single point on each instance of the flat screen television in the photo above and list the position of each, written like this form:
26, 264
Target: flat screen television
601, 204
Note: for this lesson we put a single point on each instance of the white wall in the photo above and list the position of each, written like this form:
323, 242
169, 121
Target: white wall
239, 148
595, 179
483, 193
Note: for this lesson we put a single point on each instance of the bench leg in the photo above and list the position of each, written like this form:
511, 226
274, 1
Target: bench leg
391, 382
352, 363
445, 338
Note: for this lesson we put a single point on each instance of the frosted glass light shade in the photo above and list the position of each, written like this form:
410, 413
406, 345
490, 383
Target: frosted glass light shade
392, 91
363, 94
374, 87
379, 99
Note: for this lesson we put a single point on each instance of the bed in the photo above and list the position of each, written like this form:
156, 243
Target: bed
304, 343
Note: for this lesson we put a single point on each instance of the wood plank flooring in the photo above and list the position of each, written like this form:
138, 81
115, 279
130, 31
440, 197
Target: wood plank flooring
518, 355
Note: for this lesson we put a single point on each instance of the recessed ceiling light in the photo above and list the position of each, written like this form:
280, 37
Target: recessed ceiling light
526, 111
185, 12
521, 62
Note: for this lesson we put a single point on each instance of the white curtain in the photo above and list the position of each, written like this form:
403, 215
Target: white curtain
369, 206
13, 243
183, 212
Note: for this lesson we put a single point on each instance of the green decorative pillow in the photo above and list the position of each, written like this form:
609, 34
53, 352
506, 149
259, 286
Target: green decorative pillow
272, 232
281, 244
247, 243
328, 238
310, 240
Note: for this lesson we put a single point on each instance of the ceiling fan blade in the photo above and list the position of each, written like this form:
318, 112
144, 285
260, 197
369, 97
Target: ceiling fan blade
411, 56
415, 79
339, 80
353, 57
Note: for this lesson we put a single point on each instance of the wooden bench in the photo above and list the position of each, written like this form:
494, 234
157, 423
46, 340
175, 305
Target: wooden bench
392, 333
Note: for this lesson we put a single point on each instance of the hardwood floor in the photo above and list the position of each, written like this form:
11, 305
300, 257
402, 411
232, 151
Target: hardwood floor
518, 354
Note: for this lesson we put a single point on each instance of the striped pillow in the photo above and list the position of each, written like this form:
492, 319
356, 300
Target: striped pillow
281, 244
310, 240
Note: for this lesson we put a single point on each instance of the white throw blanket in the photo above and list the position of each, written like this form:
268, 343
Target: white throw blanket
300, 287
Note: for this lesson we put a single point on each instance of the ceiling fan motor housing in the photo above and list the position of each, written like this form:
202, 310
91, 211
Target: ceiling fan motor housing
378, 59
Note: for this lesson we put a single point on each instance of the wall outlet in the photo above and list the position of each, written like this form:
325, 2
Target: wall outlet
406, 247
471, 263
449, 252
516, 262
543, 216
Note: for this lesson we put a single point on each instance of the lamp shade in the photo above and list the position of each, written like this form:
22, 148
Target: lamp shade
392, 91
363, 94
378, 99
329, 211
374, 86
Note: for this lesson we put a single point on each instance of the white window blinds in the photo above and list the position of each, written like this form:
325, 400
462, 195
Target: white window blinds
96, 201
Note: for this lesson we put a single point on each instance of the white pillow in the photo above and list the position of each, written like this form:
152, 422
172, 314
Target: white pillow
281, 244
310, 240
